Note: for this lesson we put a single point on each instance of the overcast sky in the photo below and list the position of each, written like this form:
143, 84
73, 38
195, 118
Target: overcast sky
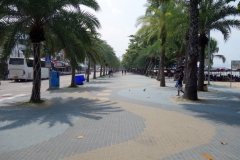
118, 19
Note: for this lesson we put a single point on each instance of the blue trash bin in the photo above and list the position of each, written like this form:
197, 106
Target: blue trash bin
55, 79
79, 79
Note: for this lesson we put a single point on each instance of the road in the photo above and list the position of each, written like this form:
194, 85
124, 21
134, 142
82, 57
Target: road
9, 90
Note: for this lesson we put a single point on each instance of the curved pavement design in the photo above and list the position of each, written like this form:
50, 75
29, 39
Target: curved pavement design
118, 120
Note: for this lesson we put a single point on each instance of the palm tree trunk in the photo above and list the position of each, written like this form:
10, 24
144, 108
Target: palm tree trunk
101, 71
104, 68
191, 83
201, 69
146, 68
36, 97
88, 70
159, 69
162, 76
147, 71
73, 81
94, 71
186, 58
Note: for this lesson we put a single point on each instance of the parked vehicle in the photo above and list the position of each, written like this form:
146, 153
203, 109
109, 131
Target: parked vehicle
22, 69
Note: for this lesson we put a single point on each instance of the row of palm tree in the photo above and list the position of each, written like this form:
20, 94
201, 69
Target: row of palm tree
182, 28
60, 25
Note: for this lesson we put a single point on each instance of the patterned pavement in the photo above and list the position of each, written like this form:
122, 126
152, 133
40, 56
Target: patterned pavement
116, 119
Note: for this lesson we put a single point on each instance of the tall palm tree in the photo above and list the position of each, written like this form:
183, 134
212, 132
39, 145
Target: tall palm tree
192, 49
38, 16
214, 15
191, 76
154, 23
178, 30
108, 56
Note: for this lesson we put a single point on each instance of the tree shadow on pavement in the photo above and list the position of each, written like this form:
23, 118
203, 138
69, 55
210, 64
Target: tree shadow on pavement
220, 108
54, 112
80, 89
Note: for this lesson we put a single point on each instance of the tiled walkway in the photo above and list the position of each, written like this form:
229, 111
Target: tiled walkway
118, 120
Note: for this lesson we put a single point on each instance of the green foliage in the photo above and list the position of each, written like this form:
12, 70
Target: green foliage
168, 20
33, 16
2, 64
217, 15
73, 86
174, 18
108, 55
214, 49
73, 28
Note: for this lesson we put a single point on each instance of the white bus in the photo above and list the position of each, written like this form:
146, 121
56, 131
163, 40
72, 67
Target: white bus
22, 69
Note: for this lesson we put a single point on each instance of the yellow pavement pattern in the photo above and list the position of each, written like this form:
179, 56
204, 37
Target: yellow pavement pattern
166, 133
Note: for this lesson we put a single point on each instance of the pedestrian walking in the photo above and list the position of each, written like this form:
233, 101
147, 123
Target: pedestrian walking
125, 72
122, 72
179, 85
109, 73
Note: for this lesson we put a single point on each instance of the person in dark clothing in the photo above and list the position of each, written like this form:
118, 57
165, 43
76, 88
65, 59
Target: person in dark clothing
125, 72
112, 73
122, 72
179, 87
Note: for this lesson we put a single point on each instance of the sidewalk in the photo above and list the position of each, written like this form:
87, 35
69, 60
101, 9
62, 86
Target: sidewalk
113, 118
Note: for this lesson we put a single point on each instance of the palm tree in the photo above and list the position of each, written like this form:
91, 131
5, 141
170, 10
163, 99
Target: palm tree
133, 52
213, 52
178, 33
108, 57
154, 23
191, 76
38, 16
192, 49
214, 15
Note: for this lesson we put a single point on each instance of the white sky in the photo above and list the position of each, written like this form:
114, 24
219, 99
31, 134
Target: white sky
118, 19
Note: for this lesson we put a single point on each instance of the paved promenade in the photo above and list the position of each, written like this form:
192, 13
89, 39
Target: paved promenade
115, 119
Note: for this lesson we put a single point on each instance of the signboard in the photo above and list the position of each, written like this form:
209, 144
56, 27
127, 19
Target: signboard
235, 64
48, 62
